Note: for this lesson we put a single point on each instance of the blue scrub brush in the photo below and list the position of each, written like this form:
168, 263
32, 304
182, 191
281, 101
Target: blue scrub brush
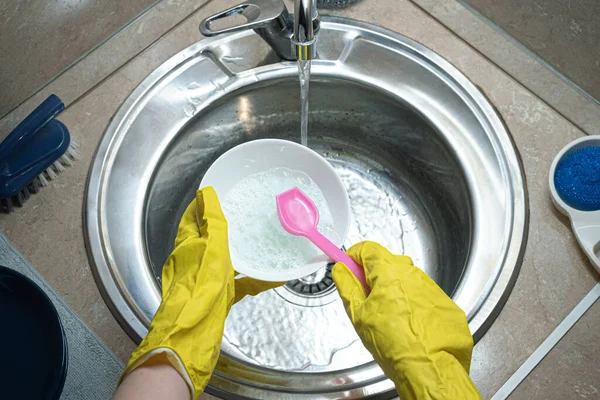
575, 188
34, 153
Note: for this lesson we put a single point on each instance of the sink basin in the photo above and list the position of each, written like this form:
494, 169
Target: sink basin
429, 167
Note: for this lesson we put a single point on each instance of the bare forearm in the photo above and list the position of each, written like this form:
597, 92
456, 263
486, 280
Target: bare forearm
153, 382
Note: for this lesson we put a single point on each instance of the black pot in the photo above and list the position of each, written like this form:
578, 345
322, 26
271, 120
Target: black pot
34, 357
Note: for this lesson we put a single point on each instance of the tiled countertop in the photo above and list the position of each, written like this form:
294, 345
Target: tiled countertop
554, 275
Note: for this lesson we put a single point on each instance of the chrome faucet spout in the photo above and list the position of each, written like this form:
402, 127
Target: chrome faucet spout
306, 27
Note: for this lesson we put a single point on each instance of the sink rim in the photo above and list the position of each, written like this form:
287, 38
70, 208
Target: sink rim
498, 290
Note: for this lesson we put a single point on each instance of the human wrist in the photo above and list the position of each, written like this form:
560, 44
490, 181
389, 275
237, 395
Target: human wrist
155, 378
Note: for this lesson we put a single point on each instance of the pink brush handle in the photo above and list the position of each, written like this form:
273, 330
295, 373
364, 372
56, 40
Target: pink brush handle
337, 255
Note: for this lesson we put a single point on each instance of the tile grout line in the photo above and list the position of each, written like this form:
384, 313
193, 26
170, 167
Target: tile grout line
83, 56
99, 46
548, 344
529, 52
138, 53
514, 78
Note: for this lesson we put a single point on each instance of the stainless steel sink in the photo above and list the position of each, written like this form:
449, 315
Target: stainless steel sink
430, 169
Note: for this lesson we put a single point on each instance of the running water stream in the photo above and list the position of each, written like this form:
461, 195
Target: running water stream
304, 75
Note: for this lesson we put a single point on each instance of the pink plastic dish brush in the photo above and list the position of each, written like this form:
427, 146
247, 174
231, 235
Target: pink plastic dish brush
299, 216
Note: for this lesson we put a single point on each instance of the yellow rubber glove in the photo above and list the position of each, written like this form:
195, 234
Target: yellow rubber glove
415, 332
198, 289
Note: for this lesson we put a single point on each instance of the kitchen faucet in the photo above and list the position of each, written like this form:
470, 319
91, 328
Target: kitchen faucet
291, 37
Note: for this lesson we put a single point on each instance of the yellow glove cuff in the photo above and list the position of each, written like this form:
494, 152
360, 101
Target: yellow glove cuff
197, 293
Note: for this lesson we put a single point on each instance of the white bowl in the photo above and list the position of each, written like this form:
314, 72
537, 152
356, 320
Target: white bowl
261, 155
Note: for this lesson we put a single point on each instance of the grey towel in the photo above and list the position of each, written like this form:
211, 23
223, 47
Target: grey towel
93, 369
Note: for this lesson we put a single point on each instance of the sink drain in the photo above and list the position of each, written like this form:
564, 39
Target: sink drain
314, 290
315, 284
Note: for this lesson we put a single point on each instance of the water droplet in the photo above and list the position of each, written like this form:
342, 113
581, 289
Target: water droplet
189, 110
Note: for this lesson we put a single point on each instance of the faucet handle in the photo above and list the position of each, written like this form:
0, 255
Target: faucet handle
258, 14
269, 18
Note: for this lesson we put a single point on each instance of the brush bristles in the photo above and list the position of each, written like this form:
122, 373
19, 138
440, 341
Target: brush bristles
34, 186
42, 179
50, 173
7, 204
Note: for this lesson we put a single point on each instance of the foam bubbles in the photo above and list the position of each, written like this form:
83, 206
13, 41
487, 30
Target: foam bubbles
256, 237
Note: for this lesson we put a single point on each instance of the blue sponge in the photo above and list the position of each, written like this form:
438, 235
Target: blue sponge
577, 179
